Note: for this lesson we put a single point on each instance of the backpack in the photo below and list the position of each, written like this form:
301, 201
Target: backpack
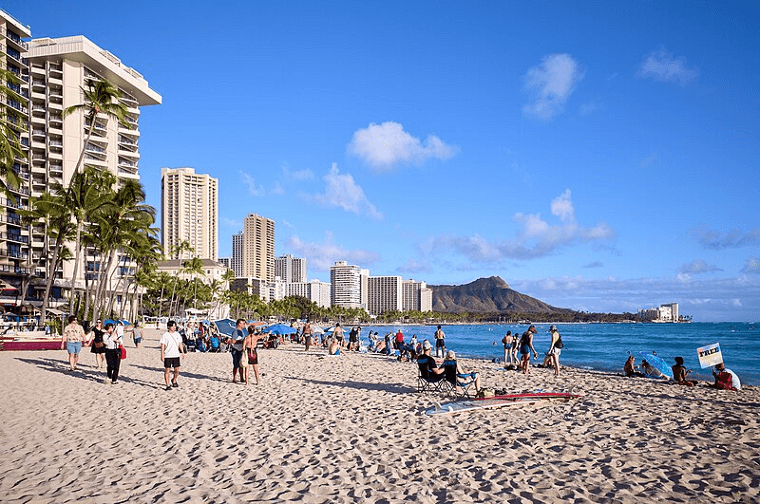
724, 381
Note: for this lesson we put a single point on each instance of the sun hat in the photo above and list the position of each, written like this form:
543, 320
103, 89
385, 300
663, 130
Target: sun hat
450, 355
426, 345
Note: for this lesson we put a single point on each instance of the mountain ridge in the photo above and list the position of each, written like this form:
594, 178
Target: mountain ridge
487, 295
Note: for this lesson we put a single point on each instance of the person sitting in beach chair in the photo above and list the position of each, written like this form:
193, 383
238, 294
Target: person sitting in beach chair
456, 376
431, 378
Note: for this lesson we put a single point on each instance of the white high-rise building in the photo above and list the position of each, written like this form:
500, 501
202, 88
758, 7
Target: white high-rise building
53, 73
417, 296
385, 294
15, 259
346, 285
189, 212
314, 290
290, 269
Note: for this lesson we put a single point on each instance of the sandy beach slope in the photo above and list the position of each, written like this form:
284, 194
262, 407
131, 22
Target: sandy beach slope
349, 429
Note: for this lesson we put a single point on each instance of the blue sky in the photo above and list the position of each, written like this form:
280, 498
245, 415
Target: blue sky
600, 156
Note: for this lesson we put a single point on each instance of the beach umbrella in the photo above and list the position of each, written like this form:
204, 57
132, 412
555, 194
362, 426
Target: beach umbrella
657, 363
225, 326
315, 329
109, 321
330, 330
280, 329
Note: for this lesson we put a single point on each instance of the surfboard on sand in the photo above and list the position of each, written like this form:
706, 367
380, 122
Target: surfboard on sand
498, 402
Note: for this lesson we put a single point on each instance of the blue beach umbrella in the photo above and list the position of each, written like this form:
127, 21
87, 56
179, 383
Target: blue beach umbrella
225, 326
109, 321
280, 329
657, 363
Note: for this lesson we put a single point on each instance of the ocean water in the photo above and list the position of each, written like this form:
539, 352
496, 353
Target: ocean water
605, 347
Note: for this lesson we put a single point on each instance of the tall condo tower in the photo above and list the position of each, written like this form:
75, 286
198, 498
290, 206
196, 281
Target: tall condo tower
290, 269
258, 247
189, 212
14, 110
346, 283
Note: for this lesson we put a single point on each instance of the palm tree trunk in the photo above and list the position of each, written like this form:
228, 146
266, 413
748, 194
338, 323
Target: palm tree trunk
76, 265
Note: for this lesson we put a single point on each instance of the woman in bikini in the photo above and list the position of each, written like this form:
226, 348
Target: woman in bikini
249, 350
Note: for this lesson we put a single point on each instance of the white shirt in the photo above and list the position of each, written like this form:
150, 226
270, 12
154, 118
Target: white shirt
734, 379
171, 342
112, 340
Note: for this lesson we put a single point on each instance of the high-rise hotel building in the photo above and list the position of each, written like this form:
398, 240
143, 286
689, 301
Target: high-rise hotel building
347, 285
54, 71
384, 294
14, 110
189, 212
290, 269
253, 249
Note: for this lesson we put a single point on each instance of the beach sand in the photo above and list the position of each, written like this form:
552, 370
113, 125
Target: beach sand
353, 428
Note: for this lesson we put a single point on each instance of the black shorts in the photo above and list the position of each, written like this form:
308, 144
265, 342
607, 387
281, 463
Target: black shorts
171, 362
440, 343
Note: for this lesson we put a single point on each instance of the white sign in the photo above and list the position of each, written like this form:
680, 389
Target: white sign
709, 355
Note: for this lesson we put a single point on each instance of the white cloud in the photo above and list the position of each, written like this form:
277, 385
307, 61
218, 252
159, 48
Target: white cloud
320, 256
232, 223
250, 182
752, 266
304, 174
721, 299
343, 192
550, 85
536, 238
662, 66
384, 146
698, 266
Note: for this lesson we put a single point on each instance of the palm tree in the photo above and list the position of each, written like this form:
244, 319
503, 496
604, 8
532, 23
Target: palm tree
101, 97
88, 192
56, 216
193, 267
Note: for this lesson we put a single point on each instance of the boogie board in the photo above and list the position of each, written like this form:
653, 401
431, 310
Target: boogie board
498, 402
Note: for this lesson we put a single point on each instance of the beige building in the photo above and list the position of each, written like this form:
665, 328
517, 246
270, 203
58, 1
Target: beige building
290, 269
384, 294
257, 249
53, 73
189, 212
14, 238
346, 281
417, 296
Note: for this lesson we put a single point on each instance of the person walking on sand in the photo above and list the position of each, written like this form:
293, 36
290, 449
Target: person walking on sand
98, 347
526, 346
73, 336
237, 349
113, 344
307, 335
555, 349
440, 341
171, 348
137, 334
507, 342
250, 355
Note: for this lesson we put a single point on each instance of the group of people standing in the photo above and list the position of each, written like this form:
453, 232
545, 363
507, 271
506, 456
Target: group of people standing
106, 344
524, 343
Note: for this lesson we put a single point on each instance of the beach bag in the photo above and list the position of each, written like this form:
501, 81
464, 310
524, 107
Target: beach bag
123, 352
725, 381
485, 393
98, 344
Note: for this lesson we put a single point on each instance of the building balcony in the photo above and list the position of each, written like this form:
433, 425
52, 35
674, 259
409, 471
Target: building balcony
15, 254
14, 237
128, 153
16, 40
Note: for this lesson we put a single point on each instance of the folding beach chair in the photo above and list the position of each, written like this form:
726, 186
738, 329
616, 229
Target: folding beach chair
427, 382
461, 384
